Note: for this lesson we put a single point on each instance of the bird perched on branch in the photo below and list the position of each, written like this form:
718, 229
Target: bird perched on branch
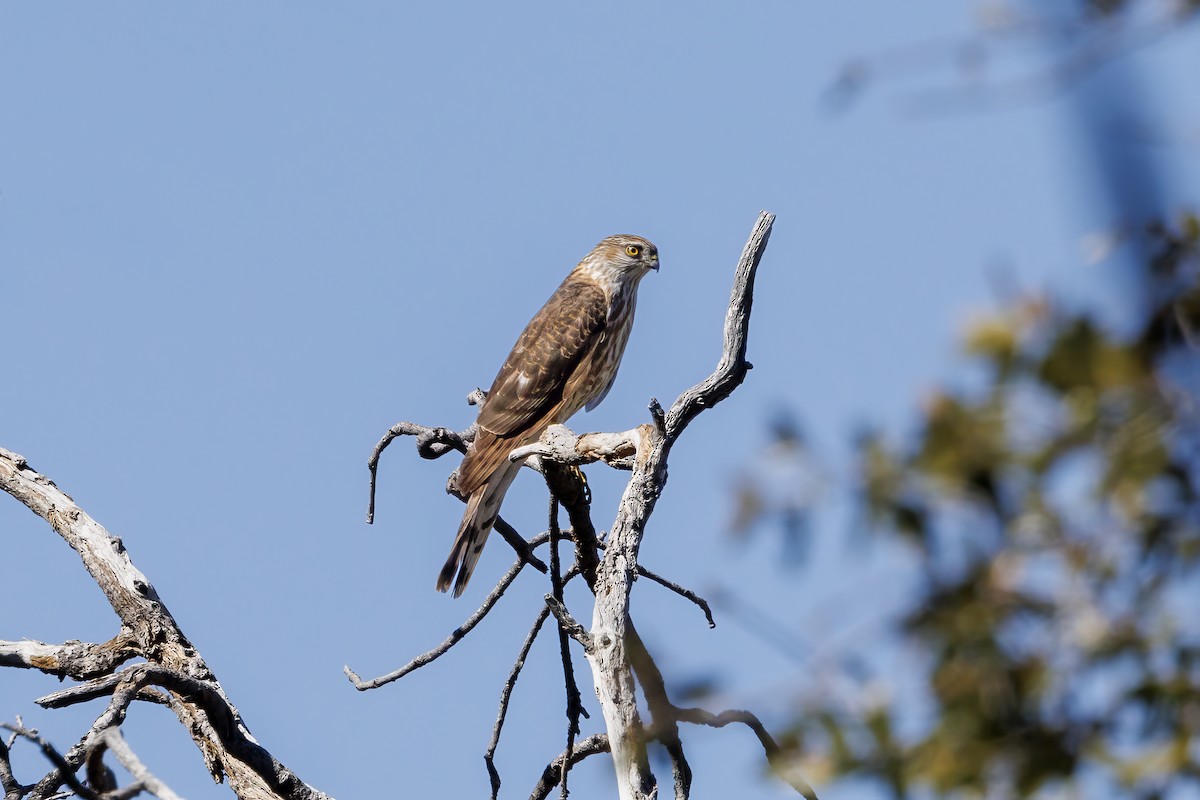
566, 358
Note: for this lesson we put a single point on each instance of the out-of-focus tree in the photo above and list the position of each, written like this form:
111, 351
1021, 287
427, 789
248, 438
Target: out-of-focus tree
1054, 507
1057, 513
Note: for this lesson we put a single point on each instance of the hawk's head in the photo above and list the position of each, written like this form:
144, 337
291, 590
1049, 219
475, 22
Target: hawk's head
621, 258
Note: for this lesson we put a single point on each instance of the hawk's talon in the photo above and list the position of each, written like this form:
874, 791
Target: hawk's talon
587, 490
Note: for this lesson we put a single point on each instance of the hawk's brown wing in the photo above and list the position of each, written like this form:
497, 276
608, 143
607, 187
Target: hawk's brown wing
533, 380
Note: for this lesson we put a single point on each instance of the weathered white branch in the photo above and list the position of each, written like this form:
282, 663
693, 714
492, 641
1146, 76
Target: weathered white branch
609, 659
74, 659
732, 368
559, 444
214, 724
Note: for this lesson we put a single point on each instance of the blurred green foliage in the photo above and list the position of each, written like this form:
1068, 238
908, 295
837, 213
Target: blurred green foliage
1055, 511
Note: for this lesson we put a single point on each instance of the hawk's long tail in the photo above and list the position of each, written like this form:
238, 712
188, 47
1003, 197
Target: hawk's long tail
482, 507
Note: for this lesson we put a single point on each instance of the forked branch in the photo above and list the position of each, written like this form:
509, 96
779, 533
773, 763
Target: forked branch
149, 631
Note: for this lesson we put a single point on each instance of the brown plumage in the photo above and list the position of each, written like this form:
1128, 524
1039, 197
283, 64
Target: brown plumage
566, 358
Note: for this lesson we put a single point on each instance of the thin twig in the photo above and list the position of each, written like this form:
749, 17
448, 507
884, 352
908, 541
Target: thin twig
1087, 41
431, 443
516, 541
64, 771
506, 695
455, 636
229, 752
434, 443
681, 591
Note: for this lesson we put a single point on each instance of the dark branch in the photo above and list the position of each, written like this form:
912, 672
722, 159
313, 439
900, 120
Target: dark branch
135, 678
435, 443
516, 541
431, 443
681, 591
574, 701
570, 487
592, 745
63, 772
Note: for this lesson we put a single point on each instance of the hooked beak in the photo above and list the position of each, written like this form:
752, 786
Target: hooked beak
654, 262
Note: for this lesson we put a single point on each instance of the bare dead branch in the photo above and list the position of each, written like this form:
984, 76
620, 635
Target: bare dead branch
574, 701
125, 792
592, 745
732, 368
125, 689
658, 415
434, 443
136, 677
431, 443
569, 486
74, 659
64, 772
562, 446
611, 670
213, 722
455, 636
681, 591
517, 542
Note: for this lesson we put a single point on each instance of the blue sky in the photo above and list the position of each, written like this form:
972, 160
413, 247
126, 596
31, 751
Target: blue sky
238, 241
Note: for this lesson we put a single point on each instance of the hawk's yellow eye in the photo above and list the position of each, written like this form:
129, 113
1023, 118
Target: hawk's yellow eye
633, 250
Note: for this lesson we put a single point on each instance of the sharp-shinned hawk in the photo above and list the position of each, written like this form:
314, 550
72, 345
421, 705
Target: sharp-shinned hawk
566, 358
